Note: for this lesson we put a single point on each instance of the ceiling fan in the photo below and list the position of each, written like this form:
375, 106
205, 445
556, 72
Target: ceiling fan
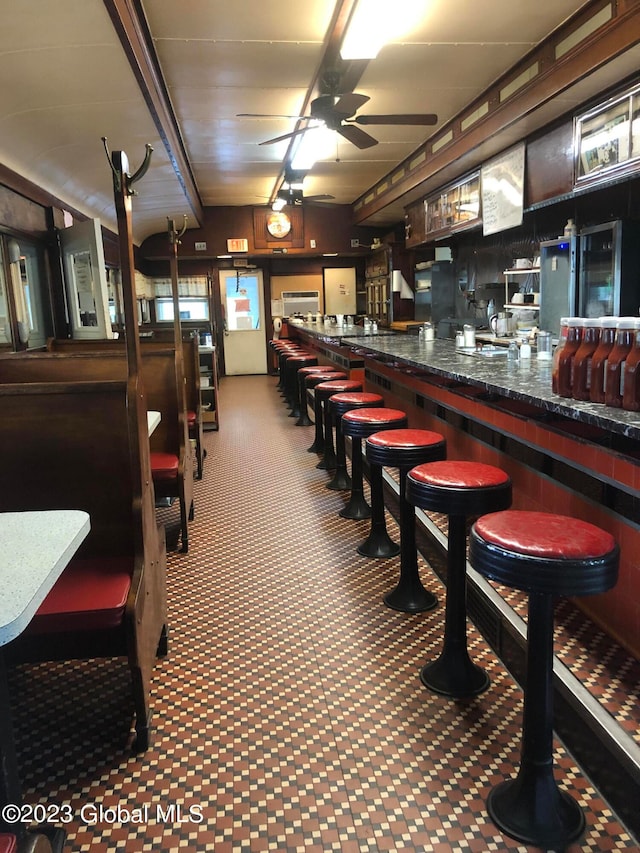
338, 112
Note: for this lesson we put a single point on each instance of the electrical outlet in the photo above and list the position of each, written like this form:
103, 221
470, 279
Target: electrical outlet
200, 247
312, 243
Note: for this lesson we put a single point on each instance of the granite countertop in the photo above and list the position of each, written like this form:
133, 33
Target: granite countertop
335, 334
528, 380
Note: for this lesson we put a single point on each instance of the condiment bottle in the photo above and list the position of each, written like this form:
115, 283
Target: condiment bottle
631, 375
564, 331
600, 357
581, 366
567, 353
613, 381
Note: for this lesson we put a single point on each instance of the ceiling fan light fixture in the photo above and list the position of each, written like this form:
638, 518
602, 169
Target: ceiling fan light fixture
316, 144
373, 23
278, 203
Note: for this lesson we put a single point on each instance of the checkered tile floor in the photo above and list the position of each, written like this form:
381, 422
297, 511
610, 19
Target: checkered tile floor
288, 715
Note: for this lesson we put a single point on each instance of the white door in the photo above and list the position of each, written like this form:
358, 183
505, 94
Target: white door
245, 350
86, 279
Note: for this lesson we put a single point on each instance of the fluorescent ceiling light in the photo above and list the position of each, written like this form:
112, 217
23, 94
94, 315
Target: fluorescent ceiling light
317, 143
373, 23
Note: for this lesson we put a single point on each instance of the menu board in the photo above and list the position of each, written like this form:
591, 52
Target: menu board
502, 190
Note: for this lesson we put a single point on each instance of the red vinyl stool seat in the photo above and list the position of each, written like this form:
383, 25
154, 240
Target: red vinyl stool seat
8, 843
301, 375
359, 424
164, 466
546, 555
291, 367
312, 382
339, 404
403, 449
460, 490
323, 392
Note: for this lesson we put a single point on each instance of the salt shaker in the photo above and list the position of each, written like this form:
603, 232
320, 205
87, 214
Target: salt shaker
512, 352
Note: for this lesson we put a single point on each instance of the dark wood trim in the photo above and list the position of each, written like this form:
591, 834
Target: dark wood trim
131, 26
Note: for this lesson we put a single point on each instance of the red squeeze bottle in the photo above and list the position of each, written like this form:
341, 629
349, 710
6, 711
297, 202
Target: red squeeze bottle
631, 375
564, 331
613, 381
581, 366
567, 353
600, 357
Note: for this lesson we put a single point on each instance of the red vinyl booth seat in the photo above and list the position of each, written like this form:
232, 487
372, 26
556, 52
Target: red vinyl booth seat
88, 595
164, 466
8, 843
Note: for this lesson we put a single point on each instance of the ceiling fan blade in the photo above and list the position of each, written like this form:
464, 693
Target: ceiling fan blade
347, 104
401, 118
285, 136
270, 115
322, 197
356, 136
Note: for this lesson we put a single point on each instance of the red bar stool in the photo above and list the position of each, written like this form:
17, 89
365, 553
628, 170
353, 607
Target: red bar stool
303, 372
291, 367
359, 424
283, 354
340, 404
460, 490
403, 449
546, 555
323, 392
312, 382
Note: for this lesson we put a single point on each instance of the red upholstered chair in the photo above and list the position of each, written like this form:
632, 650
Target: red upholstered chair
460, 490
545, 555
402, 449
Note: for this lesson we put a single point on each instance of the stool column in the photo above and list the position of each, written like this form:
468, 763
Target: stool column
356, 507
378, 543
454, 673
532, 803
409, 595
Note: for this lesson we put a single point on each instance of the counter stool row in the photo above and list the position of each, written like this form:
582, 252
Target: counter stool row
543, 554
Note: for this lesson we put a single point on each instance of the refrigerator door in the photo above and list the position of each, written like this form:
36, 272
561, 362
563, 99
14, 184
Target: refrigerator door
557, 282
600, 270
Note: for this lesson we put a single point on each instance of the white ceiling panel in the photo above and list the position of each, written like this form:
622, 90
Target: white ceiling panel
67, 81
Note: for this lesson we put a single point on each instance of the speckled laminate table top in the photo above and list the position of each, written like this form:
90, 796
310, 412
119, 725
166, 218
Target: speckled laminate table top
35, 547
528, 380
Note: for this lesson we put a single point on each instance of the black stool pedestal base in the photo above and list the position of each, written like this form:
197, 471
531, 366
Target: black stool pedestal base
341, 480
418, 600
455, 676
378, 544
357, 508
533, 810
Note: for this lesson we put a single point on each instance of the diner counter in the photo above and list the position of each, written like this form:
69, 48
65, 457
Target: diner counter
529, 380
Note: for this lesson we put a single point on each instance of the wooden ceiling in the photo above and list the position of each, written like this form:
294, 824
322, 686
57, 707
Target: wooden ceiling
176, 75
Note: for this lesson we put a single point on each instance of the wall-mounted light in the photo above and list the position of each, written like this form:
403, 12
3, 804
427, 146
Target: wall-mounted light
373, 23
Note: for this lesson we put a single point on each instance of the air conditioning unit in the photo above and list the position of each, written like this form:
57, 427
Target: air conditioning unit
300, 302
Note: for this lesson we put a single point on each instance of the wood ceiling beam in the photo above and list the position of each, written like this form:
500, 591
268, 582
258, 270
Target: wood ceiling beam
131, 26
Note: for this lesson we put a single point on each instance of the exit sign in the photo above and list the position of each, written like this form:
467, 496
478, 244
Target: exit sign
237, 244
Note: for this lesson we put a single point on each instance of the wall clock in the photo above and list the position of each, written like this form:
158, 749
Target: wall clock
278, 224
